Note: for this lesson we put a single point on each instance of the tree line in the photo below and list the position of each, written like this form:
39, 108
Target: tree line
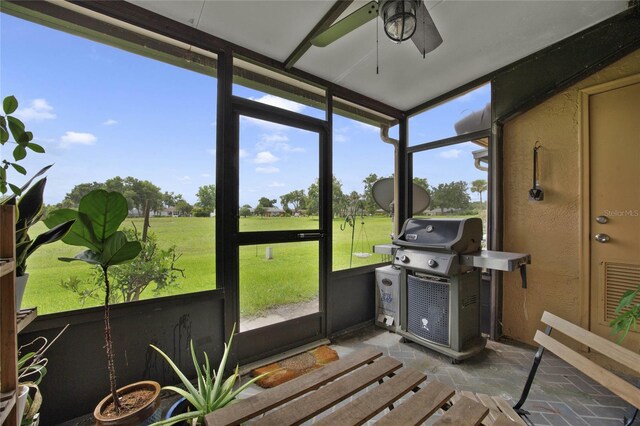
142, 193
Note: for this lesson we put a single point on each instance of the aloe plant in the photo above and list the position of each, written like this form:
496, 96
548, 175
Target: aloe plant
96, 222
211, 392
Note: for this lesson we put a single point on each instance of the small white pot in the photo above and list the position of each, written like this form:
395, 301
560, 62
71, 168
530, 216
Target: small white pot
23, 391
21, 285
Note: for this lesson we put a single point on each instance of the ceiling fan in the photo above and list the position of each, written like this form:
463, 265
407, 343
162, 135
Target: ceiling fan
403, 19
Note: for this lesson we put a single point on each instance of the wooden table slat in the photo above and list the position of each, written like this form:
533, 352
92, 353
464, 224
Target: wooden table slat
464, 412
376, 400
257, 404
316, 402
420, 406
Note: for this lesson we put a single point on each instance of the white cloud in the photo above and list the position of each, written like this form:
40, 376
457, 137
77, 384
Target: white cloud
211, 151
243, 153
77, 138
276, 185
265, 157
38, 110
205, 175
275, 137
340, 138
451, 153
268, 169
280, 103
110, 122
184, 178
288, 148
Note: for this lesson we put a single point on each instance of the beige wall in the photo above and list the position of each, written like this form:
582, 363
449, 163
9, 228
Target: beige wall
548, 230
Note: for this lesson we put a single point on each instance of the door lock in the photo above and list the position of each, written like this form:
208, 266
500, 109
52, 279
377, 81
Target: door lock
602, 238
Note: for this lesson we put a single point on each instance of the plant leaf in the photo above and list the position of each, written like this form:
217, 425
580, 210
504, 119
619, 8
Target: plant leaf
79, 235
30, 203
4, 135
118, 250
10, 104
179, 418
19, 153
187, 384
51, 236
107, 211
87, 256
18, 168
36, 148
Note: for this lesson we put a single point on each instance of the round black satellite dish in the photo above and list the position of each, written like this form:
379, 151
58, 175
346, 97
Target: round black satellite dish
382, 192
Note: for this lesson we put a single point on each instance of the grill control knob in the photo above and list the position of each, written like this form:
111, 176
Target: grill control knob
404, 259
432, 263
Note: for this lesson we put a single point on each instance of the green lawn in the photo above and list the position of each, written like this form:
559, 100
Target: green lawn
291, 275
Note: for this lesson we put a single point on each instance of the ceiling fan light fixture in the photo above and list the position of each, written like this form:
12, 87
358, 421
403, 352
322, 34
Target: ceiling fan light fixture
399, 17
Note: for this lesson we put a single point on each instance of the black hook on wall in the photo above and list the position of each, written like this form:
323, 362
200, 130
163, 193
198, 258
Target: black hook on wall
536, 193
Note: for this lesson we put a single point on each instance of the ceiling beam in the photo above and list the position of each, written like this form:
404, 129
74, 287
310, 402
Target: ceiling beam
327, 20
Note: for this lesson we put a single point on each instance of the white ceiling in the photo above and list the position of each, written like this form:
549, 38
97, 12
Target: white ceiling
479, 37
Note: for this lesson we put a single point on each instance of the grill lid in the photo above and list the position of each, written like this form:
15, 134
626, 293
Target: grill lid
458, 235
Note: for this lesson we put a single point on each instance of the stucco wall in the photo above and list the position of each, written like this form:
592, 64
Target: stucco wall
548, 230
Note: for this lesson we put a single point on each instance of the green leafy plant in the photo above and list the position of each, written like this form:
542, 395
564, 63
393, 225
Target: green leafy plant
12, 126
211, 392
96, 222
30, 210
153, 265
32, 367
628, 314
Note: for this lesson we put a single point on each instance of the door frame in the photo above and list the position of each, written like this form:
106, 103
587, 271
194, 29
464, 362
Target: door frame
585, 190
276, 338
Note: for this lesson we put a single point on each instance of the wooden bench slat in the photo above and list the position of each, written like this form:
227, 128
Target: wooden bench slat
315, 402
494, 411
507, 410
616, 352
255, 405
420, 406
503, 420
373, 402
615, 384
470, 395
464, 412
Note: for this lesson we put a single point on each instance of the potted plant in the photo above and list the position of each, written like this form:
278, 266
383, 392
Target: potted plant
99, 215
32, 367
30, 205
211, 392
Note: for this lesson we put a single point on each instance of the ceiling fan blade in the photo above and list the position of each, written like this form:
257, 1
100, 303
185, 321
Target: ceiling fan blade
346, 25
426, 38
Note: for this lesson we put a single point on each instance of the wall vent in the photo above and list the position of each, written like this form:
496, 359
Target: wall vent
618, 278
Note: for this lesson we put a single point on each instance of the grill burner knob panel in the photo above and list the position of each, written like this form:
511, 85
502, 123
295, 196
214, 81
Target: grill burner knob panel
432, 263
404, 259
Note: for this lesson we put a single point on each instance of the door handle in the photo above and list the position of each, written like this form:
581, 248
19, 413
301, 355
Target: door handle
310, 235
602, 238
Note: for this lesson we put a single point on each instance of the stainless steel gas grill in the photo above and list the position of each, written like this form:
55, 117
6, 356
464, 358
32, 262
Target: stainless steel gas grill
440, 261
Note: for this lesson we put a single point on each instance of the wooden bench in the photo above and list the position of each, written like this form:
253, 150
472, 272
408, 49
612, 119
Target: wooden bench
614, 383
322, 390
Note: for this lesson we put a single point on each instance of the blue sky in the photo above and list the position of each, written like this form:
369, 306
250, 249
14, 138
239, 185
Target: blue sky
102, 112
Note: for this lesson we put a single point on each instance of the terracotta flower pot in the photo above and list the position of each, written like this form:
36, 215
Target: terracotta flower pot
136, 417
